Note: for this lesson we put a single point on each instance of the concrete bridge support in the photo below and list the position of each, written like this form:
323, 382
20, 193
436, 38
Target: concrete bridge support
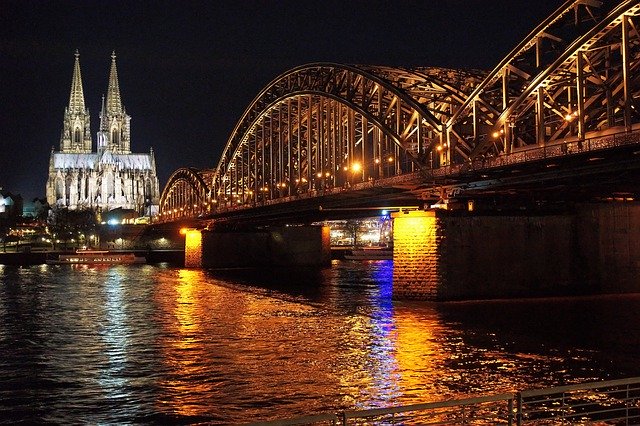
439, 256
276, 246
609, 240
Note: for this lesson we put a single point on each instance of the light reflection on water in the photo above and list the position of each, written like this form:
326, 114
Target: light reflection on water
166, 345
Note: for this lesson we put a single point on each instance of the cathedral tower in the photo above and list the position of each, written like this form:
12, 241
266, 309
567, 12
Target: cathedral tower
76, 132
114, 130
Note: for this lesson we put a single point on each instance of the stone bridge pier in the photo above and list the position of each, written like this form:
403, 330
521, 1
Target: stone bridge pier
275, 246
442, 256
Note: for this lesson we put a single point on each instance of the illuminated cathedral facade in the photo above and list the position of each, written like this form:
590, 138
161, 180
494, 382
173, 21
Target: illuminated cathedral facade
109, 176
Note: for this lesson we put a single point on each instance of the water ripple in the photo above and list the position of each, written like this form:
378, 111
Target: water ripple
155, 344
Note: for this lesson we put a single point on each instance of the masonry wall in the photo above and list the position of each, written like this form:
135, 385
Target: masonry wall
277, 246
440, 257
595, 249
508, 256
609, 240
417, 262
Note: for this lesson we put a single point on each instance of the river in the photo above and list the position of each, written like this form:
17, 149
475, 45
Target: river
160, 344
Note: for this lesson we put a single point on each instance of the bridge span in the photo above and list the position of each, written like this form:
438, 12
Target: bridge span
556, 120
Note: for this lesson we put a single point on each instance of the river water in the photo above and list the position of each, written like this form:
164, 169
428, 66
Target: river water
159, 344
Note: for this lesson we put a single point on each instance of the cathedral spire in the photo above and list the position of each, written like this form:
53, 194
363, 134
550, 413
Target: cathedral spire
76, 133
103, 116
114, 102
114, 122
76, 98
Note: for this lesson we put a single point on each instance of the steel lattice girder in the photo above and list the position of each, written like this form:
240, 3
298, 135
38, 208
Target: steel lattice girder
484, 110
585, 84
186, 187
408, 106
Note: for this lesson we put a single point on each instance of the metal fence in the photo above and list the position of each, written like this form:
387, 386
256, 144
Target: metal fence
614, 402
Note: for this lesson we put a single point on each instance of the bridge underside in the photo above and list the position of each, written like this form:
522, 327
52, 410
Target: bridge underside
547, 184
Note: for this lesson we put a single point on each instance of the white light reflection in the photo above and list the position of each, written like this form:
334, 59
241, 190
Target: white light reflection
115, 333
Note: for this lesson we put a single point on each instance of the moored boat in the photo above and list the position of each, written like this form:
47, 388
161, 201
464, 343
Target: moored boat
96, 257
370, 253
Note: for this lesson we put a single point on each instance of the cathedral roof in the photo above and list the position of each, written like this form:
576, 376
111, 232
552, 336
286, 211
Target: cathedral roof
76, 98
92, 161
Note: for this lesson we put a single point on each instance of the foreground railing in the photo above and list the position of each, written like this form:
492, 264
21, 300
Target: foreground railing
612, 402
604, 403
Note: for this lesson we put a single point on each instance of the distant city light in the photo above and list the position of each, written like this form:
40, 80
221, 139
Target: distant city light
113, 222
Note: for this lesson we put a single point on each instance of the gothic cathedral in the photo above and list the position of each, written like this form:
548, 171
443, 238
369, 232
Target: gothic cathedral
109, 177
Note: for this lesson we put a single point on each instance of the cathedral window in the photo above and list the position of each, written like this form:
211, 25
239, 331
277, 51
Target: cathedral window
59, 189
77, 138
147, 189
110, 186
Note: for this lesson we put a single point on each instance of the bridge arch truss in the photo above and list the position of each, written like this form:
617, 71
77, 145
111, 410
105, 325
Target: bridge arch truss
322, 126
576, 73
187, 194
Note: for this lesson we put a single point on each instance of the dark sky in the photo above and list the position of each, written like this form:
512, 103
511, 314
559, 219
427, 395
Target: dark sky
188, 69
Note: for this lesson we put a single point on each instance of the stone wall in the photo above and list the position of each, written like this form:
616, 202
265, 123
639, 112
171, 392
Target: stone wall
442, 257
417, 251
609, 236
277, 246
439, 256
507, 256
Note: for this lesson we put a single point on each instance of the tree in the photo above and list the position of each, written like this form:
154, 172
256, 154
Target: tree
70, 224
353, 226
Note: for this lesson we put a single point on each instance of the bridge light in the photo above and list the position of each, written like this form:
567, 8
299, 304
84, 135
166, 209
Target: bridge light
356, 167
496, 134
183, 231
377, 161
319, 175
327, 174
345, 168
390, 159
304, 180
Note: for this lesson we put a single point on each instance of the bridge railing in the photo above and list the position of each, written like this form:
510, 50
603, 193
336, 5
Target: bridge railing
537, 153
606, 402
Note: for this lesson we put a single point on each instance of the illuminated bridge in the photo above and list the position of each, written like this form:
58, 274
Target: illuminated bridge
542, 150
561, 105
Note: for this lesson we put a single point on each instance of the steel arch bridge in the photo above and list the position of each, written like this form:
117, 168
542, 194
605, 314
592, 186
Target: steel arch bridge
186, 194
572, 85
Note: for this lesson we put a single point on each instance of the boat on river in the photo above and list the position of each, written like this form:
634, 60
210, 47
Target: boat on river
370, 253
96, 257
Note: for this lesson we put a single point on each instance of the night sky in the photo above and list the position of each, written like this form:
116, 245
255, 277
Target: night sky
188, 69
